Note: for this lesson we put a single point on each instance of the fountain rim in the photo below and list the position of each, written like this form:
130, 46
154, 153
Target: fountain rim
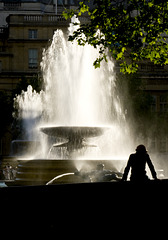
74, 131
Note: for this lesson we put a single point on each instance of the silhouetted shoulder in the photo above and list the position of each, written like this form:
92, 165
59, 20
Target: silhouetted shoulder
132, 156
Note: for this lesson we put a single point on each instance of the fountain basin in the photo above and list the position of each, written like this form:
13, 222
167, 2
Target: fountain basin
41, 171
73, 131
76, 136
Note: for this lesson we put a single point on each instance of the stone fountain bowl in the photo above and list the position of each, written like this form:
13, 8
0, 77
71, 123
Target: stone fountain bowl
73, 131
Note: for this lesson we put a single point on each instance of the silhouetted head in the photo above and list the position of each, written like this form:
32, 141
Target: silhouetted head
141, 149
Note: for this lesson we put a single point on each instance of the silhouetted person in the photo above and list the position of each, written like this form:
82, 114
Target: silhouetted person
137, 163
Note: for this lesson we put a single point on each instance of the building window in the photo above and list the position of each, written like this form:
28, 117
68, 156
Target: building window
153, 144
66, 2
154, 104
151, 67
33, 58
163, 145
32, 33
59, 2
72, 2
163, 103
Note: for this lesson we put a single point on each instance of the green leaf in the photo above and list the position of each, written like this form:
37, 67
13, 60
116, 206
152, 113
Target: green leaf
144, 39
119, 55
150, 4
97, 63
83, 8
123, 49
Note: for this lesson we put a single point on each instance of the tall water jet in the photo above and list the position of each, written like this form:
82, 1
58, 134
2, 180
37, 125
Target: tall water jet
77, 93
76, 96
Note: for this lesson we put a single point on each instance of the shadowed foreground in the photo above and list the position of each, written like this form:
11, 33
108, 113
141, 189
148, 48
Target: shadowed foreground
67, 208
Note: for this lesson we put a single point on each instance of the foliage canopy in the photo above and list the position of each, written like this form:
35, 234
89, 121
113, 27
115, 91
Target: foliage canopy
132, 30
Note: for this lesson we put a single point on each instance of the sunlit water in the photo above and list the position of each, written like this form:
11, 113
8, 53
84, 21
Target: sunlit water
76, 94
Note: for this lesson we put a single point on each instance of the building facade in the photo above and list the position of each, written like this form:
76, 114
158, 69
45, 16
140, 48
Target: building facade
155, 79
8, 7
26, 26
22, 46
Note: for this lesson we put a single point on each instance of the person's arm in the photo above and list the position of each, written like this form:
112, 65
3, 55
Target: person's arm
126, 170
151, 167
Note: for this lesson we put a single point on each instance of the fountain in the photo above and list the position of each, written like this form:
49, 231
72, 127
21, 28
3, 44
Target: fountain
76, 136
78, 105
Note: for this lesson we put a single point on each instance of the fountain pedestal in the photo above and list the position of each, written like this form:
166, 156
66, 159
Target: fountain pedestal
40, 171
